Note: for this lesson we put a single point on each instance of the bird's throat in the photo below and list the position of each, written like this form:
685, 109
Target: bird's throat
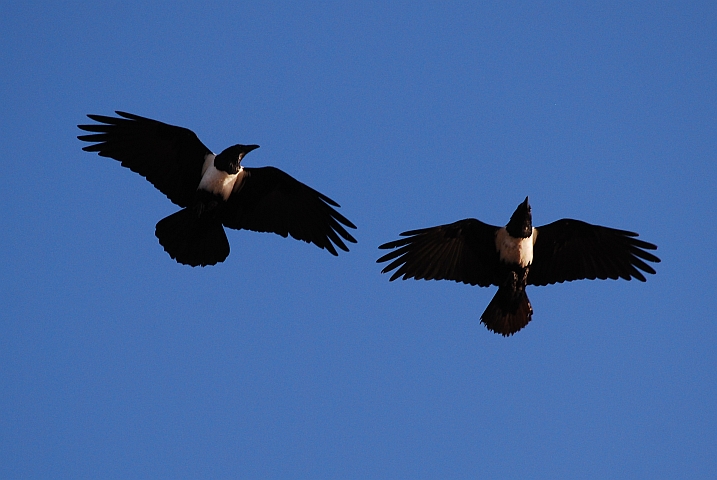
221, 183
512, 250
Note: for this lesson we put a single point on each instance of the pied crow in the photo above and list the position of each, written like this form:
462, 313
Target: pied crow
511, 257
214, 191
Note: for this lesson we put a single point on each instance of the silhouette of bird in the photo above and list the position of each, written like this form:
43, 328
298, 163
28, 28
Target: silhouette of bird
214, 191
517, 255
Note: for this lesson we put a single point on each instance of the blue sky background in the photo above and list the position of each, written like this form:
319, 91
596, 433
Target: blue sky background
285, 362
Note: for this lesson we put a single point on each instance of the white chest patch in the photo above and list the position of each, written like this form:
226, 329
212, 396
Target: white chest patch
208, 162
515, 250
218, 182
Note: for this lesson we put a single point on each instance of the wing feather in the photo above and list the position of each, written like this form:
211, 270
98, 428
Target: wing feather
271, 200
568, 250
463, 251
169, 157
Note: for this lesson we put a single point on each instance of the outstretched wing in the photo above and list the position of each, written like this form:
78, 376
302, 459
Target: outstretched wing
463, 251
270, 200
569, 250
170, 157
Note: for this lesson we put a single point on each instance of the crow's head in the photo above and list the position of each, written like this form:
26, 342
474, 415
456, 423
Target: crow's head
229, 160
521, 222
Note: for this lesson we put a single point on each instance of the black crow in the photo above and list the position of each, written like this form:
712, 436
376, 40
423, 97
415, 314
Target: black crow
517, 255
214, 191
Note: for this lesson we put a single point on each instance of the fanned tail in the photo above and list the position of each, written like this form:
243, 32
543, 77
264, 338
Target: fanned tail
193, 240
508, 312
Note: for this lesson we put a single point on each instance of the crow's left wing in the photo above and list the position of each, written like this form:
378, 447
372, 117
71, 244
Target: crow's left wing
270, 200
568, 250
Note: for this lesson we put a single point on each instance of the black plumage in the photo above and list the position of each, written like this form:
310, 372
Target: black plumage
214, 191
517, 255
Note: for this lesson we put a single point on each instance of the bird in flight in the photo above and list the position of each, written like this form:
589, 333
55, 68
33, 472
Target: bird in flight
517, 255
214, 191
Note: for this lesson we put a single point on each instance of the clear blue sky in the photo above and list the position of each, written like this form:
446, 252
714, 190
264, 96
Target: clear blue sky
286, 362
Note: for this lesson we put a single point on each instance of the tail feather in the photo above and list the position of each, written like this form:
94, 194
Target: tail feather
191, 240
507, 313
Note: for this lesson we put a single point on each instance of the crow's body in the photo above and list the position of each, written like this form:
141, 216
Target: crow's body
517, 255
214, 191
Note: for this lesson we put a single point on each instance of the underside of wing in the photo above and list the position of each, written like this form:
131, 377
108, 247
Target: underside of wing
271, 200
463, 251
170, 157
568, 250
